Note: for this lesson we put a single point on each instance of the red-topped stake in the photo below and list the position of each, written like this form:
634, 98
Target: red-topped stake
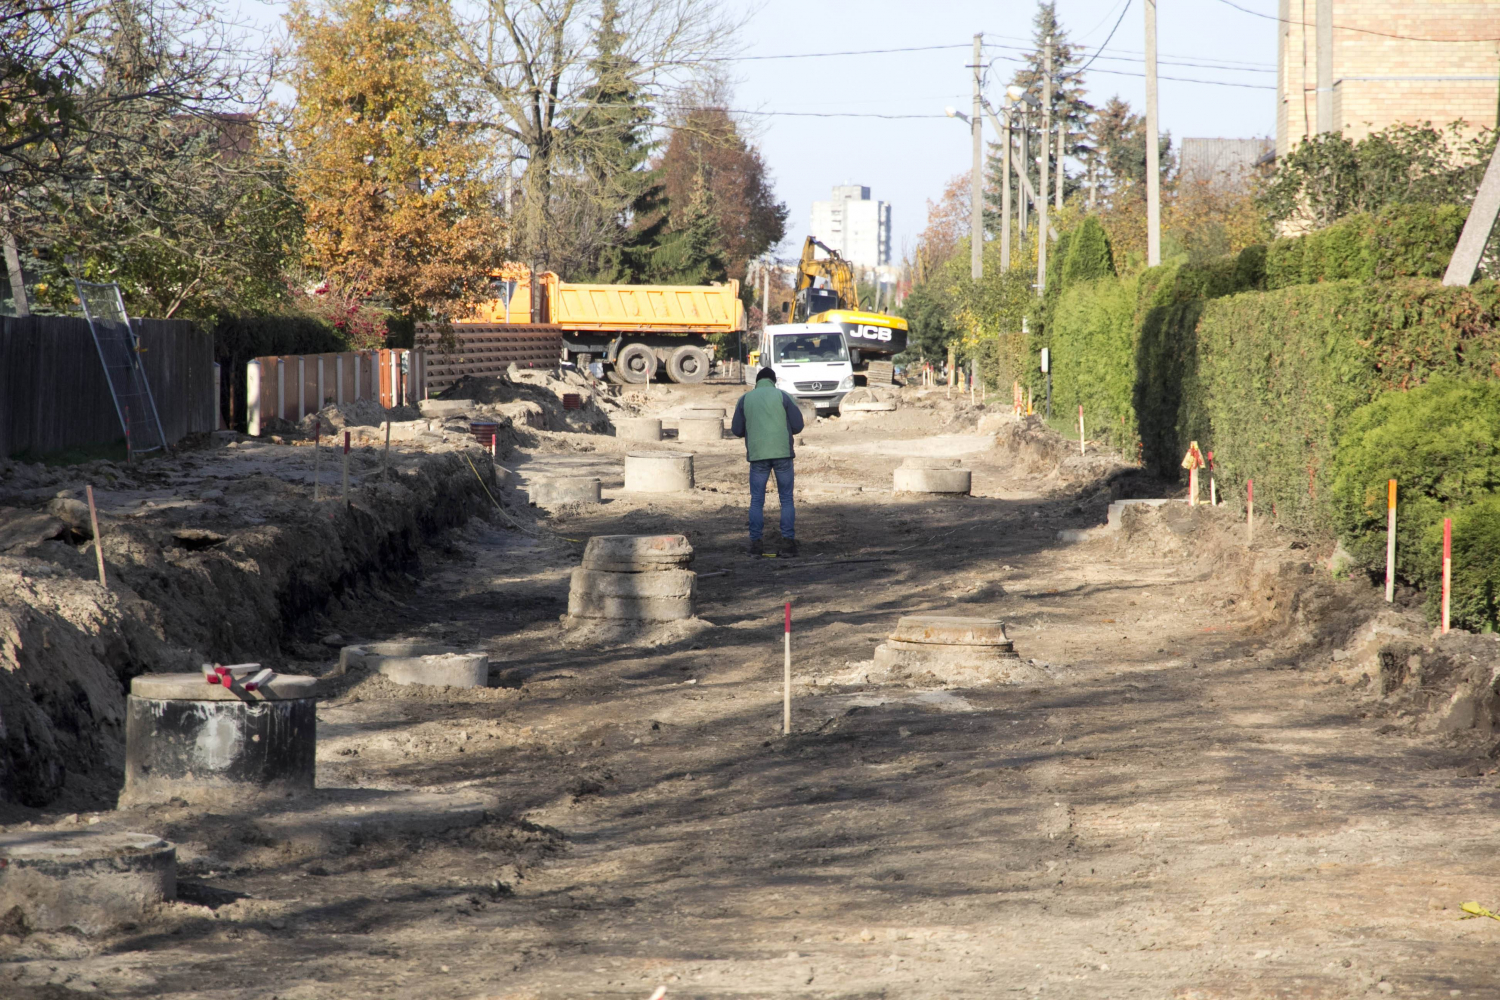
786, 698
1447, 568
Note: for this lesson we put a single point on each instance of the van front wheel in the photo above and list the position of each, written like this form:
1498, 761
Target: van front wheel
688, 365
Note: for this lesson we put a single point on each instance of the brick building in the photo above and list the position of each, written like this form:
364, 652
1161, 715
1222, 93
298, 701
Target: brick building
1394, 61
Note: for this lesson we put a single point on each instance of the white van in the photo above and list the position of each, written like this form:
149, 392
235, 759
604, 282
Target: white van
811, 361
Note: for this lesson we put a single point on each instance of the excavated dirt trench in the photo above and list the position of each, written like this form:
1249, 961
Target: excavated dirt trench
1246, 778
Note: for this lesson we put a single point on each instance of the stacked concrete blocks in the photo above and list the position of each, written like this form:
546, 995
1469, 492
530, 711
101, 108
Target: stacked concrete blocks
189, 738
90, 881
634, 578
932, 475
564, 490
419, 663
966, 651
658, 472
638, 428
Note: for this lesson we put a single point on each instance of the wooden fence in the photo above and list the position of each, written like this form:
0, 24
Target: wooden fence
291, 386
54, 394
486, 349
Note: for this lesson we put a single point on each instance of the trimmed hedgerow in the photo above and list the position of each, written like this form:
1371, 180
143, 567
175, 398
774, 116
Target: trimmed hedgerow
1402, 241
1279, 373
1441, 443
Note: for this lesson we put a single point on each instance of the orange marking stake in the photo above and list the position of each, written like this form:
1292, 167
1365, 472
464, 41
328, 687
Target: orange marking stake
786, 696
1390, 541
1249, 511
1447, 568
94, 524
1193, 461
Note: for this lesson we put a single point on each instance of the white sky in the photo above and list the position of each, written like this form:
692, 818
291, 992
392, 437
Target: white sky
907, 161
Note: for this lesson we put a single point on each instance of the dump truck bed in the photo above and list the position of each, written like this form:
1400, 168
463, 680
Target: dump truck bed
628, 308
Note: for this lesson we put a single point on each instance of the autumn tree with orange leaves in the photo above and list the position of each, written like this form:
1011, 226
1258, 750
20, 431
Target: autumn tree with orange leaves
395, 182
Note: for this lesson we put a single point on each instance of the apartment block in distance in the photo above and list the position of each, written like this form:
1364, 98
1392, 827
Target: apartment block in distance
855, 226
1394, 62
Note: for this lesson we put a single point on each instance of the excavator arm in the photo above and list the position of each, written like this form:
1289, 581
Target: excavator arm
838, 278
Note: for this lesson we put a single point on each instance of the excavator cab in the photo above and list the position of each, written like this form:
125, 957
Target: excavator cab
811, 301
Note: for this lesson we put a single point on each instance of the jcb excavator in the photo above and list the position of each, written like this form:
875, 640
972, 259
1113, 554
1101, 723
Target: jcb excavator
826, 293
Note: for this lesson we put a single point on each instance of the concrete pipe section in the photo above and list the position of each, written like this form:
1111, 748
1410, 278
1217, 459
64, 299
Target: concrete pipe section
186, 737
952, 650
90, 881
419, 663
638, 428
634, 578
696, 428
932, 475
565, 489
658, 472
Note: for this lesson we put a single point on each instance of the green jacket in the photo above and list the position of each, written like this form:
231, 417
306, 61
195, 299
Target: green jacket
766, 418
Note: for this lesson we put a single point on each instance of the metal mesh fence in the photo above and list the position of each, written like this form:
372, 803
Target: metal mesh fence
118, 352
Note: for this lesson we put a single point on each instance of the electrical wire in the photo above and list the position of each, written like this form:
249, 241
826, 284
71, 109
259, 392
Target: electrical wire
1105, 44
825, 55
1346, 27
1186, 79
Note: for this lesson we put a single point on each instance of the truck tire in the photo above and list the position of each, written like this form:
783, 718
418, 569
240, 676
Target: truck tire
636, 364
688, 365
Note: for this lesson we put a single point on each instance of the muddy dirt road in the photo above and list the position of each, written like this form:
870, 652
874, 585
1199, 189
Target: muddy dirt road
1196, 806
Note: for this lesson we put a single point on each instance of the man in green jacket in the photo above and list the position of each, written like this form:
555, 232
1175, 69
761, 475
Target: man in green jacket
767, 419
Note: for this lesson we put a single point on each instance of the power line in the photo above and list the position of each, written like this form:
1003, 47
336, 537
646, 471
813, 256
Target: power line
825, 55
1105, 44
1186, 79
1229, 65
1346, 27
1135, 52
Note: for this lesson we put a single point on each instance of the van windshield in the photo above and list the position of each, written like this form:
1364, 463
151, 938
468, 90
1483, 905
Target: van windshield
811, 347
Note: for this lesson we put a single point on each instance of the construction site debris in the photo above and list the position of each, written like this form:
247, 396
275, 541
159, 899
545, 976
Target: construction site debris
638, 428
634, 577
952, 651
418, 663
565, 490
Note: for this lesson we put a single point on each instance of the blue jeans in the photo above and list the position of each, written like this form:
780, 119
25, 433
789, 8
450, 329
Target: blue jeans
760, 472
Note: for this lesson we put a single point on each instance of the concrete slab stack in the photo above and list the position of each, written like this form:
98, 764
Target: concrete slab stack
658, 472
638, 428
634, 578
953, 650
91, 881
932, 475
565, 489
419, 663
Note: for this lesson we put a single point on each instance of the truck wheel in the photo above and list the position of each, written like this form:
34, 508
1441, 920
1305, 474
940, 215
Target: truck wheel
688, 365
636, 364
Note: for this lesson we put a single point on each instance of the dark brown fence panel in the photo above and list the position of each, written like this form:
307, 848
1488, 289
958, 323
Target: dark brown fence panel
54, 395
486, 349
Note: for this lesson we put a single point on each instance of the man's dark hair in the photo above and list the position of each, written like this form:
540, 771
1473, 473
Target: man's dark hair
769, 373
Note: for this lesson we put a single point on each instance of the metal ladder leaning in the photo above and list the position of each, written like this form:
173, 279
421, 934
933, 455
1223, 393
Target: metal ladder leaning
105, 310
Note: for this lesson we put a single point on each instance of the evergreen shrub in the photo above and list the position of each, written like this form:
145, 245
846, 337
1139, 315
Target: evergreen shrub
1441, 443
1401, 241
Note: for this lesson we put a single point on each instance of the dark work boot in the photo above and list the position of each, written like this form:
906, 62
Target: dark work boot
757, 548
787, 549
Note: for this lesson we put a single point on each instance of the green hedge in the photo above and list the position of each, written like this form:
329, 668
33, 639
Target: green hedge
1280, 373
1403, 241
1441, 443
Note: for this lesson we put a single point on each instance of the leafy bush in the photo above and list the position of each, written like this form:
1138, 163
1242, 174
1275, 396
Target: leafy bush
1089, 257
1092, 344
1280, 373
1475, 601
1441, 443
1401, 241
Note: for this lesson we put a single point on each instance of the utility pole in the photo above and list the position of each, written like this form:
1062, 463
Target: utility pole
1062, 130
1477, 229
1325, 65
1041, 202
1023, 168
976, 183
1153, 153
1005, 195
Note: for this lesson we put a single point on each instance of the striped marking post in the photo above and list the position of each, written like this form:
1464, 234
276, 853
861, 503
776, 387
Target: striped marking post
786, 688
1080, 430
1390, 541
1249, 511
346, 466
1447, 568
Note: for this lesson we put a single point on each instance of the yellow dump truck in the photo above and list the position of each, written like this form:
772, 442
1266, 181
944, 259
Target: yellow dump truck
632, 330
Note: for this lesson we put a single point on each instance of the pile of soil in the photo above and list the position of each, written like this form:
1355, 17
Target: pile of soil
534, 398
216, 555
